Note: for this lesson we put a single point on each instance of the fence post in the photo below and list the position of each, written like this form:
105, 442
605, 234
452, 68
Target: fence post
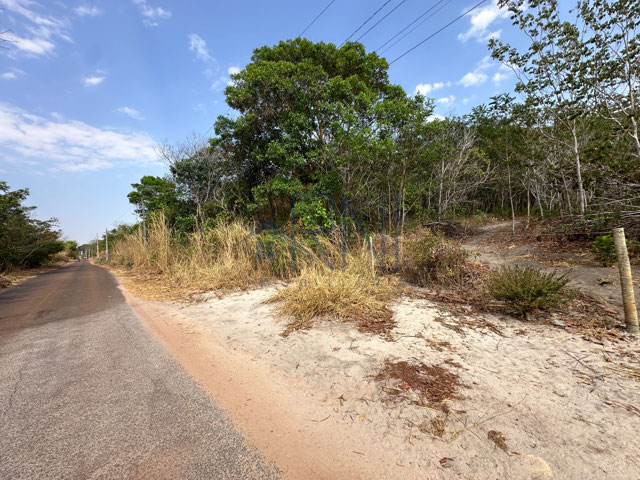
382, 237
293, 236
626, 281
343, 228
373, 262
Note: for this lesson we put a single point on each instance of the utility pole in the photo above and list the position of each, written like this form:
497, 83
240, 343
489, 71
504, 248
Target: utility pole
97, 247
106, 243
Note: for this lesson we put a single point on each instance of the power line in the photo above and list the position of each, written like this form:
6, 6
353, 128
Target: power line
408, 26
213, 124
447, 2
365, 22
314, 20
378, 22
438, 31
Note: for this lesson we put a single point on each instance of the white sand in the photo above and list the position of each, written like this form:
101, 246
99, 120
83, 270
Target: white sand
309, 401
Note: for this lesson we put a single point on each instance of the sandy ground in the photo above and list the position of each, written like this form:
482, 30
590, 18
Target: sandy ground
311, 404
585, 273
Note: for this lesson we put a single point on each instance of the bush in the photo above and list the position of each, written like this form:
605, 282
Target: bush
356, 294
526, 288
430, 258
604, 250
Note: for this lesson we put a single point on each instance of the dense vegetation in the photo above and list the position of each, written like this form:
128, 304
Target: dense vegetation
316, 122
325, 150
24, 241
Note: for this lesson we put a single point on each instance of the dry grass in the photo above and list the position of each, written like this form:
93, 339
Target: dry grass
229, 257
223, 259
356, 294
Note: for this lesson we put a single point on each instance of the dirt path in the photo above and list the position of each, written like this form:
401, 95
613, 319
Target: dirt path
584, 272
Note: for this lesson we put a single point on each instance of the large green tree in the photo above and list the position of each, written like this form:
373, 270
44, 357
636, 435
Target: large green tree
308, 120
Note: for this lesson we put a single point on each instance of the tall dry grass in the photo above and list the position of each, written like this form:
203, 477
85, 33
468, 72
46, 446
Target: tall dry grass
229, 257
223, 258
359, 293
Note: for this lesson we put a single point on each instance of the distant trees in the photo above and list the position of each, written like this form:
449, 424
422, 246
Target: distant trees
580, 78
24, 241
316, 121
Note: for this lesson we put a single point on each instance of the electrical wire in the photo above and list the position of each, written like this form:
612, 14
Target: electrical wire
365, 22
408, 26
438, 31
379, 21
314, 20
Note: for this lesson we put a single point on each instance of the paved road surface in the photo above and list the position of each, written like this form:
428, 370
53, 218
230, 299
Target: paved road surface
86, 392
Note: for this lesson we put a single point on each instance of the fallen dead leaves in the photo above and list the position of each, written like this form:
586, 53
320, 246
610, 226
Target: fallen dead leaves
433, 385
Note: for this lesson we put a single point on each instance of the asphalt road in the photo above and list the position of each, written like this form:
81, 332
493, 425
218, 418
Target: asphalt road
87, 392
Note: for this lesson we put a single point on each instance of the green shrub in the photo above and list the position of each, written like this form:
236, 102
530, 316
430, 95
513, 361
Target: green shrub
604, 250
430, 258
527, 288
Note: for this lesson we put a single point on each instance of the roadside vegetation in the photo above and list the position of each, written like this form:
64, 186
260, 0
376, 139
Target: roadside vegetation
325, 162
26, 243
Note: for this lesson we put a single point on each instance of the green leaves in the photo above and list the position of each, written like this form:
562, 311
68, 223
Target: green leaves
526, 288
304, 108
24, 241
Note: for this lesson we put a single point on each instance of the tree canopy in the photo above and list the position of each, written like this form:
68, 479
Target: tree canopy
24, 240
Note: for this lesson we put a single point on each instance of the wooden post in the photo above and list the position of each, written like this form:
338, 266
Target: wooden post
626, 282
373, 263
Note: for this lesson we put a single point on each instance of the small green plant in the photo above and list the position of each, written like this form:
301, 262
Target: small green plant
526, 288
604, 250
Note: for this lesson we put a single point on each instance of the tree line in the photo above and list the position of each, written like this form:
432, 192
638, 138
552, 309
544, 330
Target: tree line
319, 122
26, 242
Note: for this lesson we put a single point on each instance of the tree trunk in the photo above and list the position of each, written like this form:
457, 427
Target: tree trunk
636, 137
566, 192
576, 152
528, 207
513, 213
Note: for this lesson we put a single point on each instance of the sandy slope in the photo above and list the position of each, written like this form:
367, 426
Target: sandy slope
580, 267
310, 402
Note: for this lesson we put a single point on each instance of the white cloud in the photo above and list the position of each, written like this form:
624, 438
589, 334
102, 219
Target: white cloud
485, 63
87, 11
41, 31
151, 15
481, 19
33, 46
472, 79
198, 45
219, 84
434, 117
12, 74
131, 112
93, 80
447, 100
68, 145
426, 88
499, 77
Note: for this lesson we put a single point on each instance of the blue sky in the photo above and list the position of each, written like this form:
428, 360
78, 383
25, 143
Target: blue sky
87, 89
